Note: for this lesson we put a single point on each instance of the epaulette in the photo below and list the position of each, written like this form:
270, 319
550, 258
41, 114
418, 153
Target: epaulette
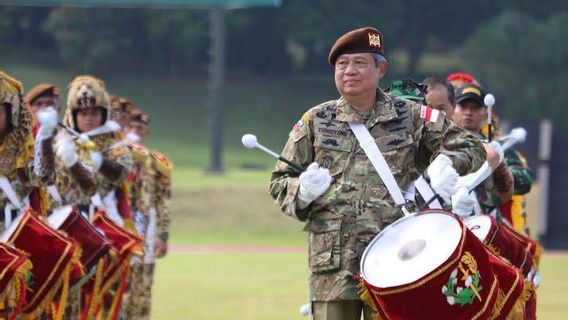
162, 163
139, 152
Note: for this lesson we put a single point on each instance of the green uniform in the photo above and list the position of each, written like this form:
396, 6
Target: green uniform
356, 207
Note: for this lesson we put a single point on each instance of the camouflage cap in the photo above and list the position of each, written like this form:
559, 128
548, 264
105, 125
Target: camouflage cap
366, 39
407, 89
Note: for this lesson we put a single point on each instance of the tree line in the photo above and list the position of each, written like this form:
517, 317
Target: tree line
516, 47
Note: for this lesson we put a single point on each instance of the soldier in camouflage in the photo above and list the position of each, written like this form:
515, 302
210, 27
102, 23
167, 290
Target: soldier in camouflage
340, 196
140, 192
470, 114
150, 197
16, 150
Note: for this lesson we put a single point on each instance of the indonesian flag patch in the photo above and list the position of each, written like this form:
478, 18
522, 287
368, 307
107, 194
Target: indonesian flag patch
429, 114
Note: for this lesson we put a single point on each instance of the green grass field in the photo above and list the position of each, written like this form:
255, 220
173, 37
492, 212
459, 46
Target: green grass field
273, 286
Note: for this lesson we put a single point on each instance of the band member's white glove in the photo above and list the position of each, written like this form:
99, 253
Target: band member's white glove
499, 149
463, 202
443, 177
97, 159
47, 120
66, 150
313, 183
132, 137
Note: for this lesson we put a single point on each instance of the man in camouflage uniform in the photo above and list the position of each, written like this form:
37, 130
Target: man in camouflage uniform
137, 297
470, 114
152, 182
16, 150
341, 196
82, 169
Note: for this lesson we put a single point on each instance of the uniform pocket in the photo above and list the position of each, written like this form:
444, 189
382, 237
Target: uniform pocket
332, 153
398, 150
324, 241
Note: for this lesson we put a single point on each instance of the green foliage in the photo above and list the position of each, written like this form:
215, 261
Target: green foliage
522, 61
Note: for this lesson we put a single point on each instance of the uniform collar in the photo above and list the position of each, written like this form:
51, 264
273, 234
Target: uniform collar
384, 110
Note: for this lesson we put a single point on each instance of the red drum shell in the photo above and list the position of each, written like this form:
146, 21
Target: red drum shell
425, 297
50, 252
507, 243
93, 244
511, 286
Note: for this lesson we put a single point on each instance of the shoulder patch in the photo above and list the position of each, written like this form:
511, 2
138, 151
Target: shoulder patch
162, 163
117, 152
139, 152
429, 114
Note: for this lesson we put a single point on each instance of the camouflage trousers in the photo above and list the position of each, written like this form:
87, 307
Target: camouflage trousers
340, 310
73, 308
138, 297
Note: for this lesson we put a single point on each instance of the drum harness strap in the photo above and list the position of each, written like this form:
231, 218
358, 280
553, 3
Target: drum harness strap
15, 205
367, 143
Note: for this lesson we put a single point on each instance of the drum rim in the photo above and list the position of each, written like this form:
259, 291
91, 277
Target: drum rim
379, 235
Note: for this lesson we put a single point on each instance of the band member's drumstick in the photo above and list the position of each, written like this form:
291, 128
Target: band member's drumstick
250, 141
489, 101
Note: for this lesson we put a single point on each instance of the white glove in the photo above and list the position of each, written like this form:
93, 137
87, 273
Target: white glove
313, 183
66, 150
463, 202
47, 120
443, 177
132, 137
497, 147
97, 159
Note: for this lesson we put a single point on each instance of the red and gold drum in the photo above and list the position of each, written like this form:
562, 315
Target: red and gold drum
93, 244
428, 265
52, 254
504, 241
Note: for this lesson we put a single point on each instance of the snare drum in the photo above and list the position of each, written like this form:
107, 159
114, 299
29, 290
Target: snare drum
428, 265
51, 253
93, 243
504, 241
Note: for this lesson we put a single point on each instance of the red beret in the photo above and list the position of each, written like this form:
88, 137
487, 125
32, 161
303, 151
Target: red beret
361, 40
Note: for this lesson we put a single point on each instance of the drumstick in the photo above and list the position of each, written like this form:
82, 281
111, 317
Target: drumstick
250, 141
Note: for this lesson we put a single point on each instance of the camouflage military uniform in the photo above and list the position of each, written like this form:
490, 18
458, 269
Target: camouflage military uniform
357, 206
157, 224
522, 183
16, 148
141, 186
77, 184
499, 181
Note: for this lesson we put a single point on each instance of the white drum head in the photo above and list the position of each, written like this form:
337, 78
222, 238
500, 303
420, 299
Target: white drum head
410, 248
479, 226
58, 216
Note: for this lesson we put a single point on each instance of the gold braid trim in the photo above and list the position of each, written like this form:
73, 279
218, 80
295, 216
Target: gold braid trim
14, 288
365, 296
491, 248
59, 284
499, 302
